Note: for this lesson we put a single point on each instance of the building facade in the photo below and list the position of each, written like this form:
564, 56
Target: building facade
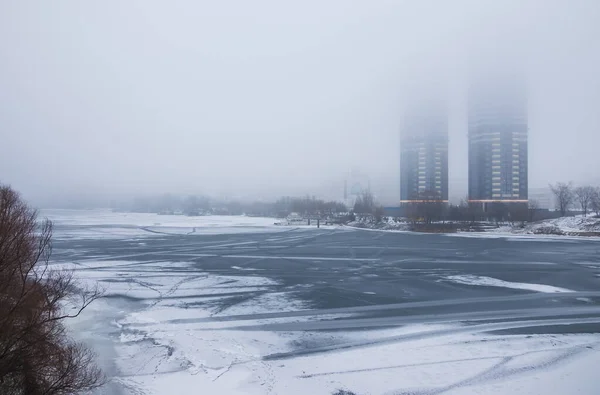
543, 197
424, 157
498, 141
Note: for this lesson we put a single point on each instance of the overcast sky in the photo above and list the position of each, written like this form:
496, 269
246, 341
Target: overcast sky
263, 98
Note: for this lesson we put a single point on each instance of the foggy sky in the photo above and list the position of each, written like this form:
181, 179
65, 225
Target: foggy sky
263, 98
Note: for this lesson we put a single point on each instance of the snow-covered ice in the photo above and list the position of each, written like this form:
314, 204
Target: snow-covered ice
166, 346
172, 327
106, 224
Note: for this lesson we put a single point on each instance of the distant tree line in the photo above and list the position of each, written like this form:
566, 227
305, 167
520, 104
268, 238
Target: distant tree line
307, 206
167, 204
428, 208
567, 197
203, 205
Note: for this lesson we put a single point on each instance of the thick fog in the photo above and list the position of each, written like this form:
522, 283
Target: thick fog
267, 98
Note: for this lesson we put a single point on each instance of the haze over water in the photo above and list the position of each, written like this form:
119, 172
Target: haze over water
263, 99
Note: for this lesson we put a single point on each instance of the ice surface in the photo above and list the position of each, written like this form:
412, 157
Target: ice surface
170, 347
107, 217
105, 224
169, 327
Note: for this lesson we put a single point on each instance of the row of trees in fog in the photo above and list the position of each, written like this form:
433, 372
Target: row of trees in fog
428, 211
568, 197
167, 203
202, 205
307, 206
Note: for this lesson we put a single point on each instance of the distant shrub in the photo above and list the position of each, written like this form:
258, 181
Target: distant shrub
548, 230
343, 392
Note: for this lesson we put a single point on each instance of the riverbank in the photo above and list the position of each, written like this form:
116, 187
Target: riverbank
566, 226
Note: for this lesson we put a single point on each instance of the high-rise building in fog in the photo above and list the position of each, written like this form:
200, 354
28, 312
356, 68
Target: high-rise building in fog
497, 138
424, 155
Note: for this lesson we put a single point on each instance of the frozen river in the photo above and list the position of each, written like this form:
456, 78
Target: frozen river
235, 305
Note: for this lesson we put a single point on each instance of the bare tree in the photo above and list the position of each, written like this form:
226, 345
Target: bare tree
475, 212
378, 213
365, 203
36, 355
430, 206
459, 212
498, 211
563, 196
595, 201
584, 197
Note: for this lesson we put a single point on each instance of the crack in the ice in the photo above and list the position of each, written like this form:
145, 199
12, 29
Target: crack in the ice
222, 373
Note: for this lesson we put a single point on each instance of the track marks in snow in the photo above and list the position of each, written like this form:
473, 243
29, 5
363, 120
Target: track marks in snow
502, 370
411, 365
472, 329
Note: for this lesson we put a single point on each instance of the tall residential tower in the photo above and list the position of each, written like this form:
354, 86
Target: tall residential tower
497, 139
424, 155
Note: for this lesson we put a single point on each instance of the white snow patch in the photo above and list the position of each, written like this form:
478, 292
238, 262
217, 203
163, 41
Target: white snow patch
301, 258
572, 224
494, 282
266, 303
586, 300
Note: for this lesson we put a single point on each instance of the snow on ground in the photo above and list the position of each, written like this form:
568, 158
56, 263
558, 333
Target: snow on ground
574, 226
494, 282
508, 234
387, 224
565, 225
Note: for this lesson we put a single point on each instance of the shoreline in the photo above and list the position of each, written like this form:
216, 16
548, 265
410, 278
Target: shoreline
571, 234
96, 328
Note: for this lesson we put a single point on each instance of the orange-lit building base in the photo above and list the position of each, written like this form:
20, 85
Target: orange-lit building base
423, 201
498, 201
